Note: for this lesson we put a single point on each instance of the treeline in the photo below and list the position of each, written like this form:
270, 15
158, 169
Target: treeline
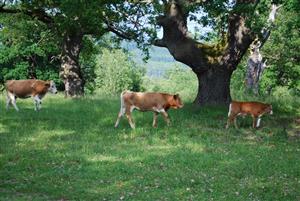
29, 49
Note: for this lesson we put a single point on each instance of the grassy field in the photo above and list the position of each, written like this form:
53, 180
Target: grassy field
70, 151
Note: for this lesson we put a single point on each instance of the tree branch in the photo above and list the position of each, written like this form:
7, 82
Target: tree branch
159, 43
273, 13
36, 13
266, 31
119, 33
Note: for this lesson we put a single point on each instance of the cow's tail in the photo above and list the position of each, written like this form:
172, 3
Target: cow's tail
122, 108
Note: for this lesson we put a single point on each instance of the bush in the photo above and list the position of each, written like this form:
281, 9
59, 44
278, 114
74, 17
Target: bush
177, 80
116, 72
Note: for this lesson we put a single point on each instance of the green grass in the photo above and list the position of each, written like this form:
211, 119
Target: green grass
70, 151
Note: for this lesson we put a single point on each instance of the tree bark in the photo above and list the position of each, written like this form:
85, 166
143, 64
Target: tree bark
213, 64
255, 68
214, 87
70, 71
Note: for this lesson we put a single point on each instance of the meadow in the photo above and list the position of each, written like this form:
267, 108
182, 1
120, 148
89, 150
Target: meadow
70, 151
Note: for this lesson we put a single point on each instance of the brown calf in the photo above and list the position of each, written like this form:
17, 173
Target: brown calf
156, 102
255, 109
28, 88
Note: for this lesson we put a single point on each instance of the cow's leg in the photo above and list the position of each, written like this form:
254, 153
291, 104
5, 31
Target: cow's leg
8, 101
121, 113
40, 105
154, 124
258, 121
15, 104
13, 100
231, 118
37, 102
235, 123
254, 121
166, 117
228, 123
128, 115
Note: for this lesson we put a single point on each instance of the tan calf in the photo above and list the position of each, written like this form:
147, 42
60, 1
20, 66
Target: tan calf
28, 88
255, 109
155, 102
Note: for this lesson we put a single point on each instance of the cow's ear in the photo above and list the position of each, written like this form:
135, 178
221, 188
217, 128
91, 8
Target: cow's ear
47, 84
175, 96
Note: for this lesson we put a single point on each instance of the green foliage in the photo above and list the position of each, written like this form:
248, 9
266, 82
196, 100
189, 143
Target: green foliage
282, 51
176, 80
26, 50
70, 151
87, 60
237, 82
116, 72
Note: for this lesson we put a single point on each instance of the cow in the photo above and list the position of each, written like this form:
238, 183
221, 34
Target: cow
255, 109
28, 88
147, 101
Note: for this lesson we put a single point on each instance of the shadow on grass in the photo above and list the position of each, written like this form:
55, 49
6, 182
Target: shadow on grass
70, 151
71, 169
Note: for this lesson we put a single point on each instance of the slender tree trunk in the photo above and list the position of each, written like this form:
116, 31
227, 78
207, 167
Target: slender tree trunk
256, 63
70, 71
213, 87
32, 67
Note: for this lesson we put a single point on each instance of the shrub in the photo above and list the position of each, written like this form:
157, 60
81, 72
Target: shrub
176, 80
116, 72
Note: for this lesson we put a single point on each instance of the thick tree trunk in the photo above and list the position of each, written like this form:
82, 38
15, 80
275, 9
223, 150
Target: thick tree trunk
70, 71
213, 64
214, 87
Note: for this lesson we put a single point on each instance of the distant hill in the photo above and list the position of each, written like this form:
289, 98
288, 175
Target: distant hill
160, 59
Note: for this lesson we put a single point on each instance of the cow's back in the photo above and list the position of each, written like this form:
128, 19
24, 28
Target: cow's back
20, 88
248, 107
145, 101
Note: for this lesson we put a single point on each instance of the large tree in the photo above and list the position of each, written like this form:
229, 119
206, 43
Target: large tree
213, 63
235, 25
69, 21
234, 22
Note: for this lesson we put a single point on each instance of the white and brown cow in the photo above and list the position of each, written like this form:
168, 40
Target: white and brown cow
28, 88
255, 109
155, 102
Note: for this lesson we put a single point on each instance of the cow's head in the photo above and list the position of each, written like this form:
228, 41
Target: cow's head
176, 102
51, 87
268, 109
